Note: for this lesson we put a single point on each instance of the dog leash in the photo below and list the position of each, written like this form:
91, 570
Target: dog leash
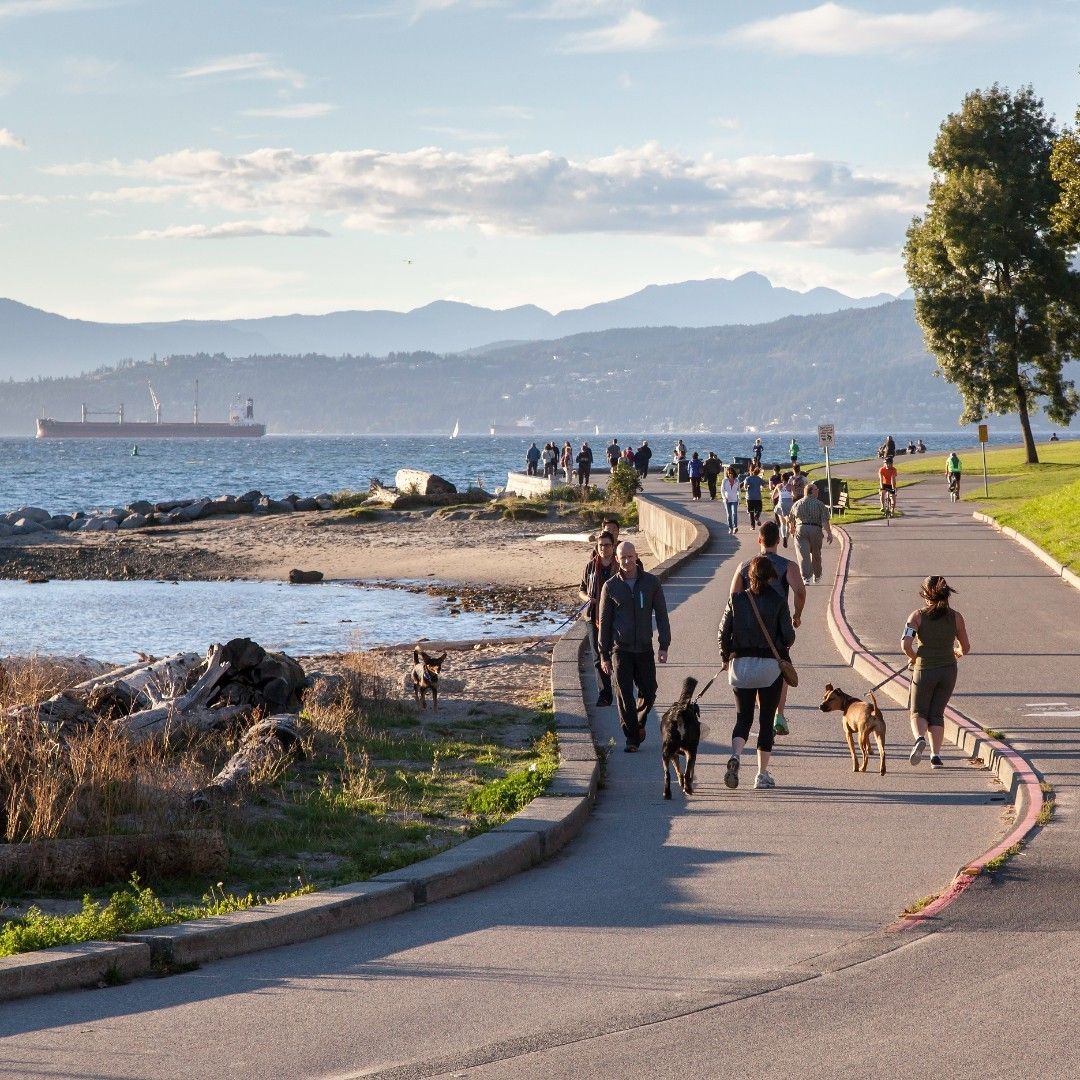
566, 622
898, 671
701, 692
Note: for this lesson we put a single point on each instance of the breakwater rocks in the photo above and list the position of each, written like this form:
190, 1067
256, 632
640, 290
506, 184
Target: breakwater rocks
142, 514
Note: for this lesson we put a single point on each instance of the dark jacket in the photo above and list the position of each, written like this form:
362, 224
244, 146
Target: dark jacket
739, 633
593, 580
642, 456
711, 467
585, 456
626, 619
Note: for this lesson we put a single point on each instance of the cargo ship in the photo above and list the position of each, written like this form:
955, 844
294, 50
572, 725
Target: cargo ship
240, 425
523, 426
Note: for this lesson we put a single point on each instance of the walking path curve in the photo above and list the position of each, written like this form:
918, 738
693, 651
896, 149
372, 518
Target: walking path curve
658, 911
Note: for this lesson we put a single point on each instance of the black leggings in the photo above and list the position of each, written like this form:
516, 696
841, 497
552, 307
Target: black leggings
746, 698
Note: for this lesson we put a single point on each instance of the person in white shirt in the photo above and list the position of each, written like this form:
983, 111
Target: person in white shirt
730, 490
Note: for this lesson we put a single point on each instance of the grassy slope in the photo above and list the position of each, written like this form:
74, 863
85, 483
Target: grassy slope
1040, 501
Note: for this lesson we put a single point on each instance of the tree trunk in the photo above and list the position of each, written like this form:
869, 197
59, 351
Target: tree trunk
1025, 423
264, 745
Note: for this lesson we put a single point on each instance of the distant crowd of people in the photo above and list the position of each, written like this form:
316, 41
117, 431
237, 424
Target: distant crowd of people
579, 465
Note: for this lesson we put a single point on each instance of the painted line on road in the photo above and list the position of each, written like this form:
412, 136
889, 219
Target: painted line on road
1010, 767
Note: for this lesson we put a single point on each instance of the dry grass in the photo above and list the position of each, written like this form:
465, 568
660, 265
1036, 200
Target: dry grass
89, 783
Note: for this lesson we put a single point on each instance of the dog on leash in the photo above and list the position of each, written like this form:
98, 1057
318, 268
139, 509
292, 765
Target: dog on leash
425, 677
861, 719
680, 733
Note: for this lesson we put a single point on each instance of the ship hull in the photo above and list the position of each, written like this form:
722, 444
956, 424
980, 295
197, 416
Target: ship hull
144, 429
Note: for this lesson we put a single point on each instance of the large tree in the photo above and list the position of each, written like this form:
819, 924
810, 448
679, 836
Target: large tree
995, 292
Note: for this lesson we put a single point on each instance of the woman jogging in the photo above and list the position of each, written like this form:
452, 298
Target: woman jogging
934, 638
785, 500
730, 491
754, 673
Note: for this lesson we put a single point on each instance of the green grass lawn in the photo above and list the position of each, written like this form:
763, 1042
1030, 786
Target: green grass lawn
1042, 501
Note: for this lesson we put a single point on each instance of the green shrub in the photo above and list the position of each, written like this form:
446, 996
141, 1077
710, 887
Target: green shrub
565, 493
506, 796
624, 484
126, 912
349, 500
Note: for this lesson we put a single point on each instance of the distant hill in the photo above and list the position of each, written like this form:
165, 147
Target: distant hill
38, 343
863, 369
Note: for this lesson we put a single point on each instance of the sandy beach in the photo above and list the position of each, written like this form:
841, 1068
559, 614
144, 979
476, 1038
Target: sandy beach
473, 551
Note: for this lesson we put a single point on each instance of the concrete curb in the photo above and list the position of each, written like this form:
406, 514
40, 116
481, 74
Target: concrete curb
1060, 569
1015, 772
534, 834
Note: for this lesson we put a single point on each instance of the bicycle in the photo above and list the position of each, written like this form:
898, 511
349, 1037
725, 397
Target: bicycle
888, 508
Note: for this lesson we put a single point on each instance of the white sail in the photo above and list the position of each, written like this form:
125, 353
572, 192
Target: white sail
457, 427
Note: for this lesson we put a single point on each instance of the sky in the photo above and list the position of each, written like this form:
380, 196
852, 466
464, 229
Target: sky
226, 159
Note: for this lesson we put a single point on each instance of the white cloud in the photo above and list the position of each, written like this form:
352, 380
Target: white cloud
634, 31
245, 66
233, 230
645, 191
14, 9
11, 141
300, 111
834, 30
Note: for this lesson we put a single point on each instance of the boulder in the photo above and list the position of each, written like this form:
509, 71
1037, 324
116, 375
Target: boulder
30, 513
135, 521
140, 506
305, 577
193, 511
58, 521
116, 513
167, 506
305, 505
226, 504
26, 525
279, 506
250, 498
5, 529
324, 502
424, 483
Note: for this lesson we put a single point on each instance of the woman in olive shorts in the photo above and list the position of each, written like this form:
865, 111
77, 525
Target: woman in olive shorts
934, 637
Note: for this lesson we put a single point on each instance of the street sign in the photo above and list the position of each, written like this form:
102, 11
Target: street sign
984, 433
826, 436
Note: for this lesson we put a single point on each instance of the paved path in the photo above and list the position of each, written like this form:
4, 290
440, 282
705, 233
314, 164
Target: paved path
659, 911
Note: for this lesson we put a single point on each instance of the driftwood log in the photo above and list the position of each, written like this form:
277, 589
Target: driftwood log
265, 745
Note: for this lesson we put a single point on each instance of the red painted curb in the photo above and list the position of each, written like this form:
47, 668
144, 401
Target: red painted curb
1023, 769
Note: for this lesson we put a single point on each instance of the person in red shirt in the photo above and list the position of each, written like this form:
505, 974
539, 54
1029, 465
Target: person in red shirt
887, 476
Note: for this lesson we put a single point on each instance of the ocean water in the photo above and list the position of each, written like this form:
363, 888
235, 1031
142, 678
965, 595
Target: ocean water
118, 618
79, 474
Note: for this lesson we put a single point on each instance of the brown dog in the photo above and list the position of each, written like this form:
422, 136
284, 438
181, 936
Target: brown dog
425, 677
860, 718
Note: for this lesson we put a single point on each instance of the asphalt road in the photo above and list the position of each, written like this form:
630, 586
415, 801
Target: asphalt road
734, 934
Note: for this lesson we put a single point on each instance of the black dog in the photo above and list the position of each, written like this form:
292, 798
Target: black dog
680, 733
425, 677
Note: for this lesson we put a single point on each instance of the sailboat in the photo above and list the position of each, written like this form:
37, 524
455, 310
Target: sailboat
597, 431
457, 428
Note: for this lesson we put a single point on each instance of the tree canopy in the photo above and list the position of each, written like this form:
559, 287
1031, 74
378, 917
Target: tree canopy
991, 266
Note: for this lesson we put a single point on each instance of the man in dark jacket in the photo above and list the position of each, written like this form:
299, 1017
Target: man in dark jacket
598, 570
532, 456
711, 470
628, 603
584, 465
614, 453
642, 457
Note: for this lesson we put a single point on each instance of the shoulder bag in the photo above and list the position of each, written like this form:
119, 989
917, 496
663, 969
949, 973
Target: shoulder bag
787, 668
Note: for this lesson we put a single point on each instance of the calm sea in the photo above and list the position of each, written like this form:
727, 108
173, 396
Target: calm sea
75, 474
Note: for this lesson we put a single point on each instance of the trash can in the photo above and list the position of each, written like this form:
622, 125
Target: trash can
836, 486
684, 471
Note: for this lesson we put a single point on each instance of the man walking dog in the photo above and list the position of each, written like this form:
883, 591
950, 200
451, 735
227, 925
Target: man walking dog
629, 602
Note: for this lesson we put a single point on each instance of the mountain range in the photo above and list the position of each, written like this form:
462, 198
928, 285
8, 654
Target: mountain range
35, 343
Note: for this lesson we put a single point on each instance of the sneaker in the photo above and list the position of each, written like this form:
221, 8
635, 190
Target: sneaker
785, 541
917, 751
736, 530
731, 777
604, 700
936, 762
817, 578
630, 747
807, 581
764, 780
780, 725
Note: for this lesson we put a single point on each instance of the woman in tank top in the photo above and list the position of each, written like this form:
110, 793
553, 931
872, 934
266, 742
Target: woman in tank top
934, 638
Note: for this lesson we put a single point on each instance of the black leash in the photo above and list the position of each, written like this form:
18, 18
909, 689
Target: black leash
566, 622
898, 671
701, 692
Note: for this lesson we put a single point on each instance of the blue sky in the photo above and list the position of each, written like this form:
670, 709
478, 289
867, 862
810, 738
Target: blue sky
162, 160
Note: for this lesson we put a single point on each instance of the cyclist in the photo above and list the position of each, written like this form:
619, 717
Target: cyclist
952, 472
887, 479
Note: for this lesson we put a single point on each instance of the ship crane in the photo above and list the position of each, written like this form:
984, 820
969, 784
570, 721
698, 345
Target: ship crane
157, 405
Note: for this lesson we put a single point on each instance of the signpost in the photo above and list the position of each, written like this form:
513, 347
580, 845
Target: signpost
984, 438
826, 437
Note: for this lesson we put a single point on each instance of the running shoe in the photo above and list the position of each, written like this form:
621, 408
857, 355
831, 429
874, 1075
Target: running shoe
731, 777
917, 751
630, 747
764, 780
936, 762
780, 725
